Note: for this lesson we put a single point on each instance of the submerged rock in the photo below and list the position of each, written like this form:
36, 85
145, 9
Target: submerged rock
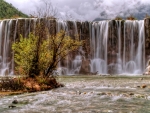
11, 106
101, 93
131, 93
143, 86
15, 102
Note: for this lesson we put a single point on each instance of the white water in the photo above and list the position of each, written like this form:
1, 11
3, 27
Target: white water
130, 43
130, 55
7, 64
85, 94
5, 54
99, 46
72, 66
136, 62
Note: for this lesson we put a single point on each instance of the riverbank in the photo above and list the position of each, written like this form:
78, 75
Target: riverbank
19, 85
8, 93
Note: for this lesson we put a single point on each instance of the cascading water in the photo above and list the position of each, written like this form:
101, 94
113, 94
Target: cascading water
140, 56
99, 46
129, 48
136, 61
72, 66
116, 47
7, 27
5, 53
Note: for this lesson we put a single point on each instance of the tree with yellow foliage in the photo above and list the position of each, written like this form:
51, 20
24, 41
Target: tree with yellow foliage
50, 52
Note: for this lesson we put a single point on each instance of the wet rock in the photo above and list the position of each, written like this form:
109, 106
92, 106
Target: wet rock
139, 96
78, 92
138, 86
131, 93
108, 86
84, 93
125, 95
101, 93
143, 86
15, 102
85, 67
109, 94
147, 70
11, 106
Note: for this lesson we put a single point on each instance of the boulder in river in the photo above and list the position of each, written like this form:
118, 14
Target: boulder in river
147, 70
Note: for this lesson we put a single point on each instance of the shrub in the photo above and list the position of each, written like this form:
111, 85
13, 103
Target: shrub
34, 55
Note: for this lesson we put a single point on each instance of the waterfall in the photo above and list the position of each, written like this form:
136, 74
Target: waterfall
134, 46
8, 34
13, 62
116, 46
5, 44
126, 56
72, 66
6, 60
140, 55
99, 46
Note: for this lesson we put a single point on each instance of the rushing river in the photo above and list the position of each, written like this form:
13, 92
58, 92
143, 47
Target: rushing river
86, 94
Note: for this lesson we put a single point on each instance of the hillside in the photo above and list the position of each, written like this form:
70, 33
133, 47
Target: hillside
9, 11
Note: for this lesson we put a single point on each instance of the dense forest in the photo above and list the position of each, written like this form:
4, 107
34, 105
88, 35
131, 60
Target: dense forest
9, 11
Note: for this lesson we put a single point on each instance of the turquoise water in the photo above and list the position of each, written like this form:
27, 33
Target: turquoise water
86, 94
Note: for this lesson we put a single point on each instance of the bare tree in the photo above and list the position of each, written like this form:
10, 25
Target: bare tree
46, 10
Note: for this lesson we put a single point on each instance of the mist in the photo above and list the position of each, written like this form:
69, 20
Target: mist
89, 9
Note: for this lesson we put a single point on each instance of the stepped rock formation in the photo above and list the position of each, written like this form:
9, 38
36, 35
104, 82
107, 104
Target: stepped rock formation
112, 47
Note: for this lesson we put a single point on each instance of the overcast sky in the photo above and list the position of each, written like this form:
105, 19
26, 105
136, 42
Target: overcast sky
86, 9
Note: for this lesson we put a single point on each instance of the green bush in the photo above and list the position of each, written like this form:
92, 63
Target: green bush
24, 53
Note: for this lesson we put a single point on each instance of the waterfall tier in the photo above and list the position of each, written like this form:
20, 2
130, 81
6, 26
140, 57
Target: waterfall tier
112, 47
